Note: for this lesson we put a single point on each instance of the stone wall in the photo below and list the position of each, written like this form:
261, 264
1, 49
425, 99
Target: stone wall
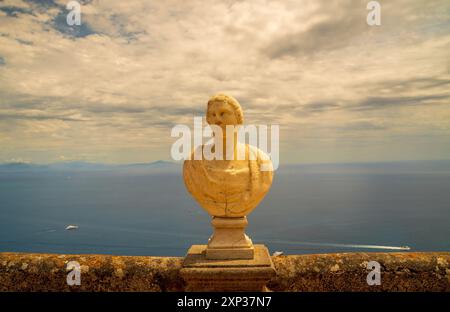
348, 272
325, 272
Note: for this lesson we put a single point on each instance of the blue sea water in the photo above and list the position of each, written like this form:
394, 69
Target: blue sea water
310, 209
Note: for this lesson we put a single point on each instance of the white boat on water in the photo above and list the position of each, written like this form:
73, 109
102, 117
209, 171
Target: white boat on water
72, 227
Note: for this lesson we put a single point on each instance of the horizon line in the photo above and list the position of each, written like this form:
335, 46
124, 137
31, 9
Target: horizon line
180, 162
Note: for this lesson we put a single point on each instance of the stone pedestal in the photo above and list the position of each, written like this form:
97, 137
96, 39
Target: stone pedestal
203, 274
229, 240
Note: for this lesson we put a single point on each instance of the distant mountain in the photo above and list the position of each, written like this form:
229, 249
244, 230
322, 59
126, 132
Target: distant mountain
78, 165
21, 167
157, 166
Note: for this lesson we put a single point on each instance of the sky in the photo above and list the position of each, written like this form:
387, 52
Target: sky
111, 89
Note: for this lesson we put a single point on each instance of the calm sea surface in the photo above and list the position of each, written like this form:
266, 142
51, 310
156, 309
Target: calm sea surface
308, 210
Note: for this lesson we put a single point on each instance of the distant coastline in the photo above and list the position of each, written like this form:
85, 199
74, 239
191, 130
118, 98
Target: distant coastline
405, 166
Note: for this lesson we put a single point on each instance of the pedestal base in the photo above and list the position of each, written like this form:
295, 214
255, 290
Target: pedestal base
229, 240
202, 274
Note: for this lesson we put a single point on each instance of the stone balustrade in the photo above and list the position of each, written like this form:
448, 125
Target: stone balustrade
406, 271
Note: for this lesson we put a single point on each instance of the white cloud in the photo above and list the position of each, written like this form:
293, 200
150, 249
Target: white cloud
139, 67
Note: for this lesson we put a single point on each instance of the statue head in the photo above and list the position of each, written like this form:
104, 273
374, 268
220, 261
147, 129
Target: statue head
224, 110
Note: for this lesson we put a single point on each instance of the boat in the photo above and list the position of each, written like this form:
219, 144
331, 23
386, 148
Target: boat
72, 227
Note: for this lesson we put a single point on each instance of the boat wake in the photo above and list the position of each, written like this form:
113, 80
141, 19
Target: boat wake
286, 242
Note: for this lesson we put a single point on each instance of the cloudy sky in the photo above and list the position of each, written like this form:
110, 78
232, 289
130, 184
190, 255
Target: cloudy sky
111, 89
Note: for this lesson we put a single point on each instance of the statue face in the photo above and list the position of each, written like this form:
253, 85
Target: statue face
221, 114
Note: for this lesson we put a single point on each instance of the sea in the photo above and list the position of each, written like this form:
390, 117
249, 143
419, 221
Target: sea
311, 208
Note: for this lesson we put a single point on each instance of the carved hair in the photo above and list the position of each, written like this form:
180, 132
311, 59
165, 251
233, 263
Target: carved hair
220, 97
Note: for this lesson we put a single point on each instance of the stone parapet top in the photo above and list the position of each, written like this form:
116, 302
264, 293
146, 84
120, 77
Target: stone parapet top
405, 271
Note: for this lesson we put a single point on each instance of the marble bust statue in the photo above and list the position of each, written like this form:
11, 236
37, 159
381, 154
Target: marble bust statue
231, 187
228, 188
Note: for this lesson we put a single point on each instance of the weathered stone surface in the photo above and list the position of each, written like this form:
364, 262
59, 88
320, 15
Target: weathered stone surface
327, 272
196, 259
348, 272
203, 274
229, 240
47, 272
